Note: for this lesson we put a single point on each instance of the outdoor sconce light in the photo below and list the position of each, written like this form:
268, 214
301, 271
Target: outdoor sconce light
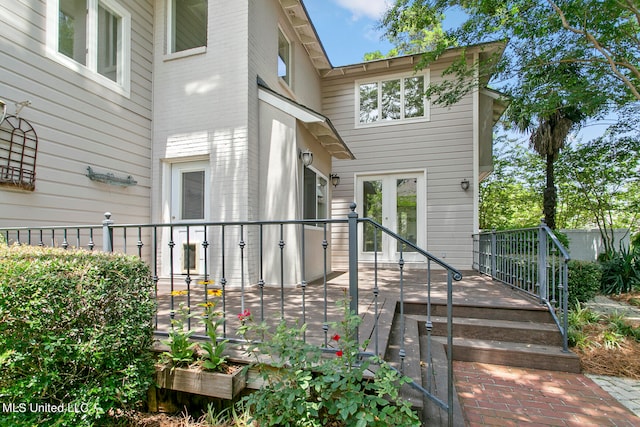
464, 184
335, 179
3, 110
306, 156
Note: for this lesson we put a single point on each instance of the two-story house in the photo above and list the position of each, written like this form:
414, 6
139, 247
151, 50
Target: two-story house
170, 111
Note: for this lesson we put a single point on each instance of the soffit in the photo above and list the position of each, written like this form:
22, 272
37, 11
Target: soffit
306, 32
318, 125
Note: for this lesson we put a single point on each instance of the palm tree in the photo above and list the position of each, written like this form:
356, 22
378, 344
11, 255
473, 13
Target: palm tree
547, 139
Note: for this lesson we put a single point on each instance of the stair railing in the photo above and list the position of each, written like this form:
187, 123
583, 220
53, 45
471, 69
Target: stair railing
531, 260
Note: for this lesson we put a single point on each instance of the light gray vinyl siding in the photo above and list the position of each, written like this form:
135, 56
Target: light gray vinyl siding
79, 123
442, 147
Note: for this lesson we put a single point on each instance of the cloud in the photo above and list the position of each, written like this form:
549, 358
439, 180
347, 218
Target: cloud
371, 9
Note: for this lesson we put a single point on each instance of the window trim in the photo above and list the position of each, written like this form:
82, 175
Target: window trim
123, 83
383, 78
327, 196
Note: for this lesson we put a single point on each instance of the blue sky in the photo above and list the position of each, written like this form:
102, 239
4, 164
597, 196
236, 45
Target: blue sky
347, 28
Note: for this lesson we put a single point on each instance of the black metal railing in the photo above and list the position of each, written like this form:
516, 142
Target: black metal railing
531, 260
273, 269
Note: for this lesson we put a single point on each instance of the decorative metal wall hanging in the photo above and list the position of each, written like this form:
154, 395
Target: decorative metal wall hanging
109, 178
18, 151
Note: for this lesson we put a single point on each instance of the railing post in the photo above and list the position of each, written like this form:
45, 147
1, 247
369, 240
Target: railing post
492, 256
542, 262
107, 233
353, 259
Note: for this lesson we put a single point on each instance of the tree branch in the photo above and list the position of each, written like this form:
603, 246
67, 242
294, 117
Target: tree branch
603, 51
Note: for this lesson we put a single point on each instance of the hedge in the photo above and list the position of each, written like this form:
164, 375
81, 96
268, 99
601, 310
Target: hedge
75, 334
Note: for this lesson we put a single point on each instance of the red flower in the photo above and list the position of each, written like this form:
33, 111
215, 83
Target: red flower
339, 353
336, 337
244, 315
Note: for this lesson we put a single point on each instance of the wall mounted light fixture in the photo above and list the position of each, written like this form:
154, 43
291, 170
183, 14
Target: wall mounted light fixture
306, 156
335, 179
3, 110
464, 184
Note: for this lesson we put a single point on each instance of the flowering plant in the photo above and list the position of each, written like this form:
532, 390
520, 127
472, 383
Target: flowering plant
181, 349
212, 359
308, 388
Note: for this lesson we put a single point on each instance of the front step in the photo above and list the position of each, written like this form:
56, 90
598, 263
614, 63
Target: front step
531, 356
526, 338
500, 330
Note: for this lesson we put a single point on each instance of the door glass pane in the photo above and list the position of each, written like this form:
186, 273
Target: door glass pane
368, 102
414, 97
407, 211
372, 201
391, 100
321, 189
193, 195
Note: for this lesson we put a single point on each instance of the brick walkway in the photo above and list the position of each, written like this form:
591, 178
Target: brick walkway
492, 395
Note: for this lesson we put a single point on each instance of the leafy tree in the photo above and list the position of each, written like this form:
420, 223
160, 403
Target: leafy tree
604, 174
510, 196
552, 71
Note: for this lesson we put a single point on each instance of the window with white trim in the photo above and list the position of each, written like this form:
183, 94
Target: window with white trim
93, 37
187, 24
315, 195
284, 57
392, 99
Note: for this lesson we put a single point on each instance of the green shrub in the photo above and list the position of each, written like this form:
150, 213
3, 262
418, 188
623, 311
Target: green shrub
621, 271
304, 388
584, 281
75, 335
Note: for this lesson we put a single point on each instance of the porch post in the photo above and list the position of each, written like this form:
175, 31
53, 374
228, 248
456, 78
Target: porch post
493, 256
107, 233
353, 260
542, 261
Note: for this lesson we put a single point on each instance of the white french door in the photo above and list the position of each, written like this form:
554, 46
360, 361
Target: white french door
397, 201
190, 190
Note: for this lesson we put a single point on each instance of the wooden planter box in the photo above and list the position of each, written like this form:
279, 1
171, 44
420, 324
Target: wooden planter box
196, 381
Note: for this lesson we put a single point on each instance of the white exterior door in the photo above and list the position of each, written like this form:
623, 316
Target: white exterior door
397, 201
190, 190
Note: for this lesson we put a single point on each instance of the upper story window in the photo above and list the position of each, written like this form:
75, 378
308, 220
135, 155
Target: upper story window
284, 57
93, 37
187, 24
392, 99
315, 195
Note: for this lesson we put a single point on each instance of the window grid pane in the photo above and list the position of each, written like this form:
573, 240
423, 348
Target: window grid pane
189, 24
391, 100
109, 30
368, 102
284, 54
414, 97
72, 22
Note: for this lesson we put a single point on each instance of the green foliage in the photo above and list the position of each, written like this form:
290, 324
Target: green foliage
620, 271
303, 387
579, 318
75, 331
181, 349
602, 178
584, 281
212, 359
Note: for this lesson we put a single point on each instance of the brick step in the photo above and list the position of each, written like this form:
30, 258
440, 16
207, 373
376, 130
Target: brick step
501, 330
538, 314
532, 356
